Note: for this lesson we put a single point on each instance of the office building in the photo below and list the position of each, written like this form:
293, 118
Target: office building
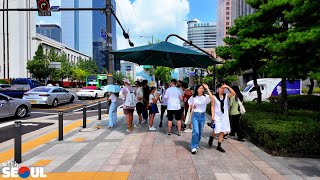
128, 69
51, 31
16, 33
228, 11
202, 34
81, 29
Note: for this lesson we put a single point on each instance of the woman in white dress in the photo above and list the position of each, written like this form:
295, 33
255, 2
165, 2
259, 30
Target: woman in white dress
220, 114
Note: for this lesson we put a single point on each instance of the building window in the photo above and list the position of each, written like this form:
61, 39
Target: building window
68, 57
228, 8
227, 23
228, 3
228, 18
228, 13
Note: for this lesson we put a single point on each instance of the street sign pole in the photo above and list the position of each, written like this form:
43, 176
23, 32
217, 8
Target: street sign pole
109, 56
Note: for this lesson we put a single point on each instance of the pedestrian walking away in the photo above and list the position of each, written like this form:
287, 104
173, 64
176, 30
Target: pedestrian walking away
235, 113
113, 110
153, 99
174, 96
187, 93
198, 103
220, 114
139, 99
129, 103
146, 93
179, 86
164, 102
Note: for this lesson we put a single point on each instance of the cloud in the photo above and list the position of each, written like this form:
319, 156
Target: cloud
146, 18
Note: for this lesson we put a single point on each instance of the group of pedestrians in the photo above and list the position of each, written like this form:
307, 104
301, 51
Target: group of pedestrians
176, 100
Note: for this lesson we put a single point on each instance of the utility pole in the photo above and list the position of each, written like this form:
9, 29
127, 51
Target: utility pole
109, 56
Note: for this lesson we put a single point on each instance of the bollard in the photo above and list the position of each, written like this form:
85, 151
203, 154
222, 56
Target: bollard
84, 122
17, 142
99, 110
60, 126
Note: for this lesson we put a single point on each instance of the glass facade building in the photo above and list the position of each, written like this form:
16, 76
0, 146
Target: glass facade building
51, 31
81, 29
202, 34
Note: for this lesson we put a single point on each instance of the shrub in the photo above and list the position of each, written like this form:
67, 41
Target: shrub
316, 90
293, 134
2, 81
308, 102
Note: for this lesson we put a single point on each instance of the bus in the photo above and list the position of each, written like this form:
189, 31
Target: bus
99, 80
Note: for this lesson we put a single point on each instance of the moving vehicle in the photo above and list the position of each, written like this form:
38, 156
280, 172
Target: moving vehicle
49, 95
13, 107
270, 87
96, 80
91, 92
19, 86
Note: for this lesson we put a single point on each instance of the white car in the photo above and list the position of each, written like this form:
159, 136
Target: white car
91, 92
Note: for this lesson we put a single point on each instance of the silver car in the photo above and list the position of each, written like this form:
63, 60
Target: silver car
48, 95
13, 107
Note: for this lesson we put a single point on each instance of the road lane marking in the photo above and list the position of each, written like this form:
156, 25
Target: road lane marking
29, 145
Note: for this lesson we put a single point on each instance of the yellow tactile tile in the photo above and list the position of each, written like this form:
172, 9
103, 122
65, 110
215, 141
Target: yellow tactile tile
27, 146
42, 162
88, 175
78, 139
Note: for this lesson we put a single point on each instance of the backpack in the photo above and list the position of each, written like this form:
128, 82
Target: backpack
130, 101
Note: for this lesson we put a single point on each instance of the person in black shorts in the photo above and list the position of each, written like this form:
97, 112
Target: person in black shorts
146, 93
139, 96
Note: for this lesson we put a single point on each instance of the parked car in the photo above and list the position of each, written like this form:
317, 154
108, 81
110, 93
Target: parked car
91, 92
49, 95
20, 86
5, 87
13, 107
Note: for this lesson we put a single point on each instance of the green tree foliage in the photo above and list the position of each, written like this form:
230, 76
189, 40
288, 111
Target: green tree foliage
89, 65
66, 65
79, 74
39, 65
118, 78
163, 73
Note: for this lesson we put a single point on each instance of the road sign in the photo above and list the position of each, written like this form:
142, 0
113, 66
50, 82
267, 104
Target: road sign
55, 65
103, 34
55, 8
128, 68
43, 6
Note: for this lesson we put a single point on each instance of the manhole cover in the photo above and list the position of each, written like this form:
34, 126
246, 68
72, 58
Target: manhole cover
89, 129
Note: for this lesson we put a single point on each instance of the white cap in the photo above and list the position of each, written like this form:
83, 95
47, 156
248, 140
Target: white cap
126, 81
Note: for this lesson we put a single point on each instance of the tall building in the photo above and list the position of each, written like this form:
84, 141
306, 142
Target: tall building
81, 29
16, 33
202, 34
128, 69
228, 11
51, 31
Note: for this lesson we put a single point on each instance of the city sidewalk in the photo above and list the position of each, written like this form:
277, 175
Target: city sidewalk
101, 153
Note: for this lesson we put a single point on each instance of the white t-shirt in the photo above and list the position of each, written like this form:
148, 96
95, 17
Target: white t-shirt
200, 102
182, 93
151, 96
113, 98
173, 95
139, 94
164, 100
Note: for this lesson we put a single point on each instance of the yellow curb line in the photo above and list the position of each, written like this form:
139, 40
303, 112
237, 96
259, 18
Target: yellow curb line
27, 146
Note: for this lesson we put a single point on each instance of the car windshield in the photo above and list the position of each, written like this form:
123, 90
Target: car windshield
40, 89
247, 88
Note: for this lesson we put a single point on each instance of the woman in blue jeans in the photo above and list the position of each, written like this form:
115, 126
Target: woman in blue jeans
113, 110
199, 103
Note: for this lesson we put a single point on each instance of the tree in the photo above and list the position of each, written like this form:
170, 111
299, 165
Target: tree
39, 65
163, 73
79, 74
89, 65
118, 78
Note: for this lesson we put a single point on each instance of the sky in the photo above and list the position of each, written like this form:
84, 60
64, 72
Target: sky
157, 18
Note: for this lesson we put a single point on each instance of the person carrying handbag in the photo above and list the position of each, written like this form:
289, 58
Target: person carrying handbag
235, 113
198, 103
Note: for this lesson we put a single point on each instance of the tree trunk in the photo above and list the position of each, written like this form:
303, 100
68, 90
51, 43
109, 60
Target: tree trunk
284, 96
255, 82
311, 86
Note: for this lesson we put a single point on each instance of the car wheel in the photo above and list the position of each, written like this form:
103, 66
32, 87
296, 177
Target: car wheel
96, 96
72, 99
105, 95
21, 111
255, 100
55, 103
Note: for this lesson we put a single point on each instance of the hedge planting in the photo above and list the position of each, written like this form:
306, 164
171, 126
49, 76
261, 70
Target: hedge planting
294, 134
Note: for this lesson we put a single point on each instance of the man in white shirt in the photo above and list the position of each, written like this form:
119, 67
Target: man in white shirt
174, 96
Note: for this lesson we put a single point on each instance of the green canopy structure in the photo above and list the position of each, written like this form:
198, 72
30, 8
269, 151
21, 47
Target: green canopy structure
165, 54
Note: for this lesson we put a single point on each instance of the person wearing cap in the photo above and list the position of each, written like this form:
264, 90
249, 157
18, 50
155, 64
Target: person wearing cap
128, 111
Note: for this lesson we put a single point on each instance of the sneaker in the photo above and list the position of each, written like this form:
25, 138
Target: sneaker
179, 133
160, 125
210, 141
220, 149
188, 130
194, 151
128, 130
169, 133
152, 129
